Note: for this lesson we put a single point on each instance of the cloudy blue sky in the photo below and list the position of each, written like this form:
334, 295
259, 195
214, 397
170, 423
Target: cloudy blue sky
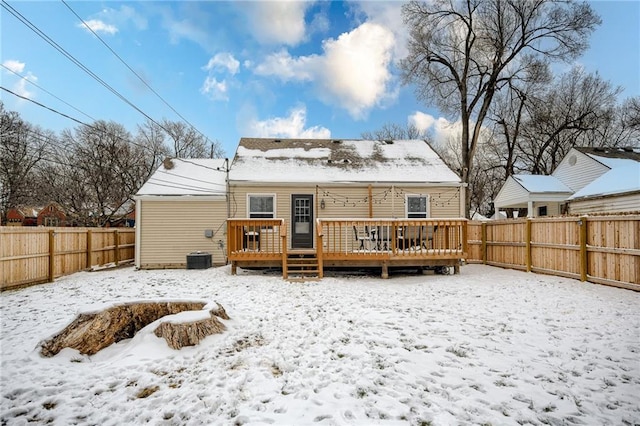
233, 69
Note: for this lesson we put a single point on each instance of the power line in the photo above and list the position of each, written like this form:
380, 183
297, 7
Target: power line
216, 169
74, 60
44, 106
46, 91
132, 70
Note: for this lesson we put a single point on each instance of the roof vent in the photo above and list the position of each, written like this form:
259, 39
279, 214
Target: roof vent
167, 163
336, 141
388, 141
346, 161
277, 140
628, 149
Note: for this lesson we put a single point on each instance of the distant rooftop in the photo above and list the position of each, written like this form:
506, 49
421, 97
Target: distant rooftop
629, 153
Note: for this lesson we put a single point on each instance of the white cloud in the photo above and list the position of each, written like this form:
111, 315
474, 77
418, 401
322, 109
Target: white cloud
356, 68
20, 87
98, 26
421, 121
440, 129
353, 73
389, 15
288, 68
13, 65
224, 61
277, 22
216, 90
122, 17
292, 126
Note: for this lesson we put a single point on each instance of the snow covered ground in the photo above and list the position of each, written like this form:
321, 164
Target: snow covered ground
488, 346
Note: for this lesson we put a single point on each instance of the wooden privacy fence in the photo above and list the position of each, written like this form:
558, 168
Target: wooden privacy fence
599, 249
35, 255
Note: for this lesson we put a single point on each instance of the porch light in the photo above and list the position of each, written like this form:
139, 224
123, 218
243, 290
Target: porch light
322, 203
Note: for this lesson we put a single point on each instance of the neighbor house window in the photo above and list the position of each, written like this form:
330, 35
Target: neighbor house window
542, 211
51, 221
417, 206
262, 206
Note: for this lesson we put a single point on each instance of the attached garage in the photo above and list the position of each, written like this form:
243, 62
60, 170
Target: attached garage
180, 210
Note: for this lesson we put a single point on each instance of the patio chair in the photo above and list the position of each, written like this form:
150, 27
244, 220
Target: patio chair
362, 237
383, 237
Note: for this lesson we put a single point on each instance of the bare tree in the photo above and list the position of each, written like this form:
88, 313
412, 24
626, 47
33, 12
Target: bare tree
186, 142
22, 147
509, 116
394, 131
104, 170
572, 111
461, 53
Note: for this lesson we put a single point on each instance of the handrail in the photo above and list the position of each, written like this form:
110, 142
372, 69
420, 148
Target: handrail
393, 238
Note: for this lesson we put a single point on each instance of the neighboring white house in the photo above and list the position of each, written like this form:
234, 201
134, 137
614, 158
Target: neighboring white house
587, 180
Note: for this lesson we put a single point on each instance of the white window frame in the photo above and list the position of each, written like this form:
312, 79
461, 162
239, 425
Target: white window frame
427, 212
261, 195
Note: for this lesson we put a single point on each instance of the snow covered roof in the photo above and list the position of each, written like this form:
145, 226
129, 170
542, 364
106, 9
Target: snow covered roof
326, 160
625, 177
187, 177
610, 156
540, 183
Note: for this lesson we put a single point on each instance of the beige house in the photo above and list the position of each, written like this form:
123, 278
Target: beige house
294, 183
587, 180
180, 210
301, 180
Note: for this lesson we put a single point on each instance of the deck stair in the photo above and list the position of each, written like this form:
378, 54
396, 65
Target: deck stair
302, 266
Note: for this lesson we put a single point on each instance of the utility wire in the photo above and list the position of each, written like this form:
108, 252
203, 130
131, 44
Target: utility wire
217, 169
132, 70
74, 60
46, 91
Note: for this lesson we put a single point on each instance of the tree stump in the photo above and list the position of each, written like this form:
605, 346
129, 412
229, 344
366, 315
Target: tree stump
91, 332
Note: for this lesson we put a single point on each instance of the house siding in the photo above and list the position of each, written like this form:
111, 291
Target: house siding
583, 172
171, 229
619, 204
349, 201
511, 193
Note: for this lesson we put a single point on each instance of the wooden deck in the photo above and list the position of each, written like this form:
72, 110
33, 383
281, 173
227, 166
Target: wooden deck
348, 243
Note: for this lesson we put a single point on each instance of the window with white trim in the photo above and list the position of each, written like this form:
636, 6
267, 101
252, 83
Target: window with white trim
417, 206
262, 206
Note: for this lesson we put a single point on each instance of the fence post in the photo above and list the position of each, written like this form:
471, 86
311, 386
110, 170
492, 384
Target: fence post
484, 243
582, 223
89, 246
52, 254
528, 243
117, 246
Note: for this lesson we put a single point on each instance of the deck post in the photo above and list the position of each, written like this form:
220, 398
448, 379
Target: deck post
285, 266
319, 256
385, 270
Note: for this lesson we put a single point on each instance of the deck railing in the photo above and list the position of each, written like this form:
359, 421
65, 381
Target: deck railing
256, 239
391, 238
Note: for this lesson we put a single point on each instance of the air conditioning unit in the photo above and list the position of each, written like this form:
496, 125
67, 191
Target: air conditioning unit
199, 260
